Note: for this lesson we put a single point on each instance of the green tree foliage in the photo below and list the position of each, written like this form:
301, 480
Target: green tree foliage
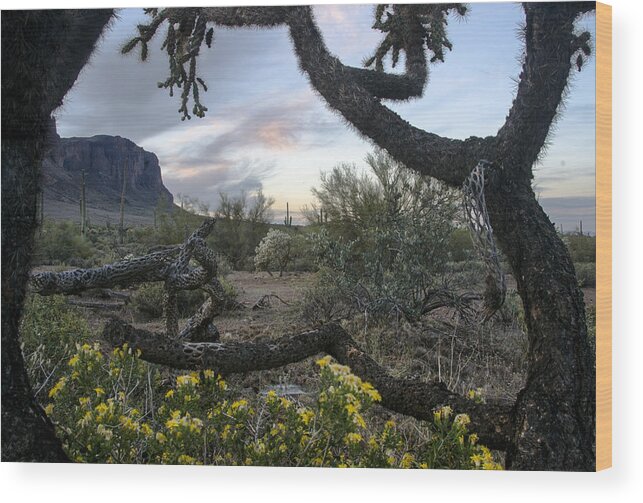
242, 223
387, 234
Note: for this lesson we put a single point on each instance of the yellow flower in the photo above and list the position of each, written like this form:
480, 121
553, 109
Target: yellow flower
161, 438
351, 409
239, 404
209, 374
407, 460
371, 392
169, 394
49, 409
83, 401
74, 360
306, 415
102, 408
338, 369
323, 362
57, 387
359, 420
184, 459
99, 391
185, 380
352, 438
462, 419
146, 429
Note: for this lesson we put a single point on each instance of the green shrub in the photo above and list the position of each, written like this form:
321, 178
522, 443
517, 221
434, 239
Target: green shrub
325, 299
460, 246
61, 242
581, 248
586, 274
196, 419
387, 235
49, 331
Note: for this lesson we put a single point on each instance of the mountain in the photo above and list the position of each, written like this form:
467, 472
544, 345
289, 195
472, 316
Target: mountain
105, 160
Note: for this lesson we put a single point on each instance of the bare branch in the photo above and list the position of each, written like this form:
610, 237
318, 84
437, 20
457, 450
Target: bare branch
491, 421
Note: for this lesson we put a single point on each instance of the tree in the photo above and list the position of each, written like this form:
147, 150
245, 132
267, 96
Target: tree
393, 229
242, 224
552, 424
274, 252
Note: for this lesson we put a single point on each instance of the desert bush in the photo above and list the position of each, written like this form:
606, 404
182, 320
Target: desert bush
387, 235
586, 274
197, 419
581, 248
328, 298
274, 252
460, 245
60, 242
49, 331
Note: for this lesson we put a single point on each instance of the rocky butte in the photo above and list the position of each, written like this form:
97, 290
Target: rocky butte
105, 160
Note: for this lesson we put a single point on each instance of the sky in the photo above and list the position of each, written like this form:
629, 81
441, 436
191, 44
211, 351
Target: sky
267, 129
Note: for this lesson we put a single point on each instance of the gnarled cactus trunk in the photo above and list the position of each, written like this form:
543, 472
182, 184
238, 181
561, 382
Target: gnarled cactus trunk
42, 54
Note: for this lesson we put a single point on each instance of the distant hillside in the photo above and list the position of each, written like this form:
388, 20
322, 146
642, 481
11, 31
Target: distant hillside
103, 158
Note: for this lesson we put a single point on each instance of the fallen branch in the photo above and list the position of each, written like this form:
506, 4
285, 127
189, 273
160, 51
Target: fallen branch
413, 397
264, 301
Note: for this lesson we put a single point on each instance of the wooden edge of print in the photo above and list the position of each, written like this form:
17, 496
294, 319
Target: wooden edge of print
603, 236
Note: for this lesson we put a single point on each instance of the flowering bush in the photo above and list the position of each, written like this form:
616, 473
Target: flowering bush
116, 409
273, 252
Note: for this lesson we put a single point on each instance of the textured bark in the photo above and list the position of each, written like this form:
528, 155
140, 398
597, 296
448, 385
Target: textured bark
555, 414
491, 421
42, 54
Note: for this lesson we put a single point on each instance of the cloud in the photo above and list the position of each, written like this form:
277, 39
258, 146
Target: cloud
228, 176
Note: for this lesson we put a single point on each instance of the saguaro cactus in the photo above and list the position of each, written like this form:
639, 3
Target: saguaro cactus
288, 217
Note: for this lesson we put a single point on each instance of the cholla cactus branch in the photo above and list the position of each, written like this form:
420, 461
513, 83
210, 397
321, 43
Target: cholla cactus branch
171, 266
413, 397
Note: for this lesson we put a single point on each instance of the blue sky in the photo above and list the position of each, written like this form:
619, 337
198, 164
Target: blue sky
266, 128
